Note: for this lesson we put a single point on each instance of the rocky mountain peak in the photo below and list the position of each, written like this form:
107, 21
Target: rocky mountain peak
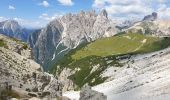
104, 13
151, 17
69, 31
91, 13
13, 29
82, 13
11, 25
12, 22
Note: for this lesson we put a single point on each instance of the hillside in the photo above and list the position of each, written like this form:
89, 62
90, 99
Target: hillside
121, 44
143, 77
21, 77
86, 63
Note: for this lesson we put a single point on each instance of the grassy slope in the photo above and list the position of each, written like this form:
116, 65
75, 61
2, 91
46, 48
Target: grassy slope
122, 44
103, 50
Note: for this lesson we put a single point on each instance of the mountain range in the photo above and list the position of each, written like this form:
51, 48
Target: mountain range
12, 28
68, 32
86, 56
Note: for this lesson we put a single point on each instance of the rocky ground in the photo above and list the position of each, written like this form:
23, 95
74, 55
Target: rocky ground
21, 77
144, 77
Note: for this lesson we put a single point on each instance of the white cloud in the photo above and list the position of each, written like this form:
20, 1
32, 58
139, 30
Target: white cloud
161, 1
2, 18
125, 8
164, 12
46, 17
30, 23
134, 8
45, 4
43, 20
26, 23
11, 7
66, 2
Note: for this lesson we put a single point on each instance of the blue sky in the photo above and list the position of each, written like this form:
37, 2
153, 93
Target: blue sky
37, 13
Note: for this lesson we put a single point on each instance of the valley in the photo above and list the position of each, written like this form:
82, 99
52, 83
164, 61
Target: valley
86, 56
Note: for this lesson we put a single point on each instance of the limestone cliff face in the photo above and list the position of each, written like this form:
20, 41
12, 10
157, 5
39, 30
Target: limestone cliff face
21, 74
70, 31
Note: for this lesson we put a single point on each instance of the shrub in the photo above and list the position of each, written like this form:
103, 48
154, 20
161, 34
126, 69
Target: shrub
2, 43
25, 46
32, 95
9, 93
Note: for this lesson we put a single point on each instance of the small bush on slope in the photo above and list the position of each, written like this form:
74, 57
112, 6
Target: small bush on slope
9, 93
2, 43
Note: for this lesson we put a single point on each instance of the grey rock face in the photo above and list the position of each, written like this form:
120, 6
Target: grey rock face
151, 17
150, 26
24, 76
47, 40
67, 83
33, 38
13, 29
155, 28
70, 31
88, 94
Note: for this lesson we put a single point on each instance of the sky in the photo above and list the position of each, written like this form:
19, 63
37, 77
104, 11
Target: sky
37, 13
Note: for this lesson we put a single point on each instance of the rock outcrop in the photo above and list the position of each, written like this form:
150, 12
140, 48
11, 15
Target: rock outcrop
70, 31
21, 75
88, 94
151, 17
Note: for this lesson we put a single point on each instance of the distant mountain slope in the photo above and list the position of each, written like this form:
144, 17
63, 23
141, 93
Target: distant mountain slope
33, 37
150, 25
84, 65
66, 33
21, 77
11, 28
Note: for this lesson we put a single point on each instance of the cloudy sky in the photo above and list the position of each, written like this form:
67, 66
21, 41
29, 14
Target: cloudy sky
37, 13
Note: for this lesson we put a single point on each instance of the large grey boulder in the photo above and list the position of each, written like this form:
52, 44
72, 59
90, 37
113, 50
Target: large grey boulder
88, 94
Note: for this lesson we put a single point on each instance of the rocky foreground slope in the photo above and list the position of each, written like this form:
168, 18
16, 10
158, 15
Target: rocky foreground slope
21, 77
143, 77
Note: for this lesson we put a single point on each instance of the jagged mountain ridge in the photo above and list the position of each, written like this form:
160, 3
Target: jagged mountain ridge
12, 28
70, 31
160, 28
149, 25
151, 17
